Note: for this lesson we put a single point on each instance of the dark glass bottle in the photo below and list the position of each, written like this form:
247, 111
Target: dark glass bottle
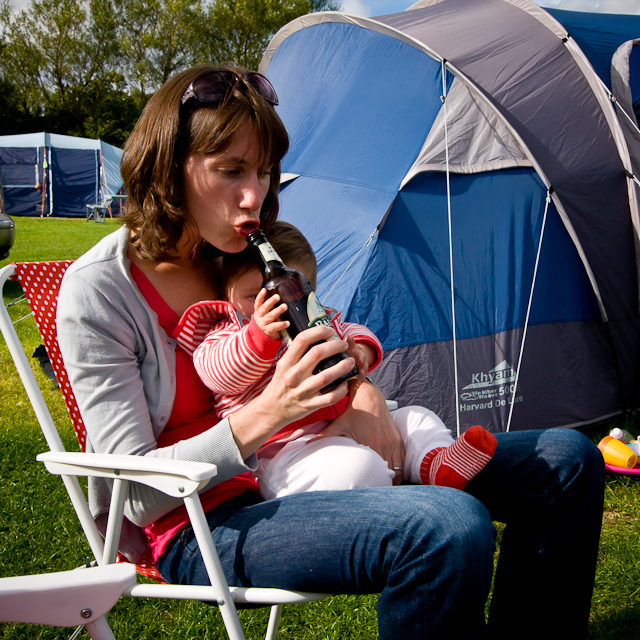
303, 307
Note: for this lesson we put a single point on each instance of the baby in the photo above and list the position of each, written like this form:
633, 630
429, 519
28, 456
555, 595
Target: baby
235, 348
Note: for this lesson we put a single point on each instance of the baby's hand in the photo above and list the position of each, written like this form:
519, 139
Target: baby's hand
363, 355
266, 315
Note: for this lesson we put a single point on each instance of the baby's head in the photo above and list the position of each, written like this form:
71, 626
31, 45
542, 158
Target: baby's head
242, 278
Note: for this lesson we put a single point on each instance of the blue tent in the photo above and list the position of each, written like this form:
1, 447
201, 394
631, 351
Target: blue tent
599, 35
611, 42
55, 175
466, 184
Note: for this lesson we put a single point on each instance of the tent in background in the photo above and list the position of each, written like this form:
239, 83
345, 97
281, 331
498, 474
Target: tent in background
55, 175
599, 35
488, 239
611, 43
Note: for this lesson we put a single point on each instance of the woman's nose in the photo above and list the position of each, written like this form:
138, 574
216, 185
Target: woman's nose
253, 193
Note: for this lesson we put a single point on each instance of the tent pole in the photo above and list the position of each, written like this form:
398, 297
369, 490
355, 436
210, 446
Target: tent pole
443, 97
526, 321
44, 182
362, 248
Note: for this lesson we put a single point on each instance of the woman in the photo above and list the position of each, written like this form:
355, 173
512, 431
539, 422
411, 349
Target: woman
202, 169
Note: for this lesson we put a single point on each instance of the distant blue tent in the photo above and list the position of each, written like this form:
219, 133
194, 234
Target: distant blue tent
611, 43
599, 35
489, 239
54, 175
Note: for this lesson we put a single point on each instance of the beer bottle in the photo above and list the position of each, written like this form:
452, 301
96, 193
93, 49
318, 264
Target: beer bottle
303, 307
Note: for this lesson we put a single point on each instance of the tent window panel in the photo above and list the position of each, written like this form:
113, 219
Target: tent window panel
332, 111
22, 201
18, 167
18, 175
74, 180
405, 294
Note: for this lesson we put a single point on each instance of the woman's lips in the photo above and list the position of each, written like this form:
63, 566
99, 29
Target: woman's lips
245, 229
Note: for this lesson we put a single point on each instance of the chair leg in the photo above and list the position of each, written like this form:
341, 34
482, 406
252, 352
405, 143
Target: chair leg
274, 622
99, 629
214, 568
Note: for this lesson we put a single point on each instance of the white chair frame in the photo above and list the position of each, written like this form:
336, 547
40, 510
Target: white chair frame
173, 477
78, 598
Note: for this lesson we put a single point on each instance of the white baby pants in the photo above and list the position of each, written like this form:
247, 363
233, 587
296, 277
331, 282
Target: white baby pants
338, 462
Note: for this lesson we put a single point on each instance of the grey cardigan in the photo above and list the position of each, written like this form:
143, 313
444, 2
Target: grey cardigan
121, 366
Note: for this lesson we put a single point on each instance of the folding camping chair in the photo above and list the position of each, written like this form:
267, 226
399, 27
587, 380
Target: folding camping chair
41, 282
79, 598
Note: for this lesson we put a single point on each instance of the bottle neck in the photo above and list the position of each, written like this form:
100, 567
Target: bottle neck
267, 257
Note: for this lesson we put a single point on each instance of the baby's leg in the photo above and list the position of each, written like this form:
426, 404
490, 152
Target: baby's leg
433, 457
328, 464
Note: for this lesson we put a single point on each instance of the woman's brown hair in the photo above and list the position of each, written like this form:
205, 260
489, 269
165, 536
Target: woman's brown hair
167, 133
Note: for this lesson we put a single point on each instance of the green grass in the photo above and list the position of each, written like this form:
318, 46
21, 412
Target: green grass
55, 238
39, 531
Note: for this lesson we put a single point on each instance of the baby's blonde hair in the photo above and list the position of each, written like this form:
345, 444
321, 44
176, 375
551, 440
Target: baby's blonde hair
289, 243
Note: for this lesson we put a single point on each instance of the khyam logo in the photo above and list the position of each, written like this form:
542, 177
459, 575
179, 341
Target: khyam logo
489, 389
502, 374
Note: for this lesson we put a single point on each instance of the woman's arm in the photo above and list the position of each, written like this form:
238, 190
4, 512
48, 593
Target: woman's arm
368, 421
108, 357
294, 391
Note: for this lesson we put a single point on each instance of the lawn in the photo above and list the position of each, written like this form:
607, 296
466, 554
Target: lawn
39, 533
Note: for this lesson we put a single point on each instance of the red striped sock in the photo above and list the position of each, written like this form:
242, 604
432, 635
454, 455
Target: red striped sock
455, 465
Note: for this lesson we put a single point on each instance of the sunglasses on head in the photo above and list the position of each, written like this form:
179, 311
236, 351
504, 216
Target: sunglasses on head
213, 87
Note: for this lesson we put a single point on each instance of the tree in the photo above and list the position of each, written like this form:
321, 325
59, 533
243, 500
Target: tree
88, 67
61, 55
56, 53
240, 30
156, 38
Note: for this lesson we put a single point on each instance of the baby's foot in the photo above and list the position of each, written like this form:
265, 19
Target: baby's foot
455, 465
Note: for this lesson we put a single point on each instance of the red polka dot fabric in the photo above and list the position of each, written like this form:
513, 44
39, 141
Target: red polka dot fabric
40, 282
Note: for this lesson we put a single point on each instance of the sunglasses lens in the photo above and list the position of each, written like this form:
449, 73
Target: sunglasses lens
212, 87
262, 86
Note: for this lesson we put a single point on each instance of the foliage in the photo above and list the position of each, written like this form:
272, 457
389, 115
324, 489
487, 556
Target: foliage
156, 39
88, 67
240, 30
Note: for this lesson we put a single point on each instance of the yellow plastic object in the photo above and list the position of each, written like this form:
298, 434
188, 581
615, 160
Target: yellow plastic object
617, 453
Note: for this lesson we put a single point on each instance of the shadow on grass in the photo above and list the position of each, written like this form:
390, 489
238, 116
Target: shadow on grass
621, 625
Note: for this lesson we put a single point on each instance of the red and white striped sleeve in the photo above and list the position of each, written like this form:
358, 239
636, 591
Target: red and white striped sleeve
229, 360
358, 332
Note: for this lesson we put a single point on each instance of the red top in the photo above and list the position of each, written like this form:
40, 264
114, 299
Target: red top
192, 413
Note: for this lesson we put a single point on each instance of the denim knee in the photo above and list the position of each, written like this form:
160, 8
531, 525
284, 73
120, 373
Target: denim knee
443, 566
448, 526
573, 456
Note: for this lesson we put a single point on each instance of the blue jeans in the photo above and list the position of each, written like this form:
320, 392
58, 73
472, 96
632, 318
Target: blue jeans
428, 551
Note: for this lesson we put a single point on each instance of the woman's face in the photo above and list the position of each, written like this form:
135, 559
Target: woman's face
223, 193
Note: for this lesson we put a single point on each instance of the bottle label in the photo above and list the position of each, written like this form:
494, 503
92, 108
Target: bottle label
317, 315
268, 252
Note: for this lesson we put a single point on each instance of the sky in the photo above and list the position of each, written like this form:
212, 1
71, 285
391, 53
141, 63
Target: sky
382, 7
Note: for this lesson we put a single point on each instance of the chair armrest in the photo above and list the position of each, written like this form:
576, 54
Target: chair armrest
176, 478
64, 599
